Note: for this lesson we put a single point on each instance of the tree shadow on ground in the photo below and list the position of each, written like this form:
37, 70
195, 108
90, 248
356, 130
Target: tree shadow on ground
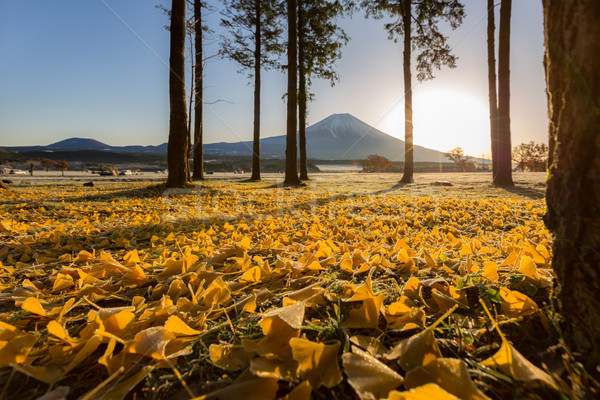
144, 192
534, 193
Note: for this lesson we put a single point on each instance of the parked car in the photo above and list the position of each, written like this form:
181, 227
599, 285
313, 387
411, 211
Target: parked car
106, 173
126, 172
17, 172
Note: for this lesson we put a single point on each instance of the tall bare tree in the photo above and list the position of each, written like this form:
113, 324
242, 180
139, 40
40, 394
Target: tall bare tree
177, 159
572, 63
503, 172
493, 95
417, 23
291, 148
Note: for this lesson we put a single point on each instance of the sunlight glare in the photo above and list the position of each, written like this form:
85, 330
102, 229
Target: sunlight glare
443, 120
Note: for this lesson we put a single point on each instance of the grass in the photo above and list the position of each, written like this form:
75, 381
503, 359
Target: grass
349, 247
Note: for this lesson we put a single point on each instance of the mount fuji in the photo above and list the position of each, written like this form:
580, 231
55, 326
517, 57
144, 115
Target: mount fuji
337, 137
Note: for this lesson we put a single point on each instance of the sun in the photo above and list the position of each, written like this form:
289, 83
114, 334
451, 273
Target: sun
445, 119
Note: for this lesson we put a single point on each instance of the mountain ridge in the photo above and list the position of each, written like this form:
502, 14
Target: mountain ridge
337, 137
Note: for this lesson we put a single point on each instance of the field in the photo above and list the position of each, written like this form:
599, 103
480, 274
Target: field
349, 287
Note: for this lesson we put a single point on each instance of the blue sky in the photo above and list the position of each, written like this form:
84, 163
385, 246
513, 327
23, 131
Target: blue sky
97, 69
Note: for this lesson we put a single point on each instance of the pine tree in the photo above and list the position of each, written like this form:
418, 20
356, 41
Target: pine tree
417, 24
256, 29
320, 41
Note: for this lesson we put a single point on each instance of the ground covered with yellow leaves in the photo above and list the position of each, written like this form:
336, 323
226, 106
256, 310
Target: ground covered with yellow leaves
252, 292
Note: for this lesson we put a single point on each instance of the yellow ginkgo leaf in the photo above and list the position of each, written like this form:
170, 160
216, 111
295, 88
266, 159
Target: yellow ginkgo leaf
118, 322
216, 294
411, 288
400, 316
369, 377
230, 357
508, 360
278, 326
490, 271
151, 342
251, 276
416, 351
33, 305
132, 257
426, 392
83, 256
516, 303
272, 368
244, 244
15, 350
370, 344
56, 329
317, 362
178, 328
448, 373
247, 387
5, 226
302, 391
512, 363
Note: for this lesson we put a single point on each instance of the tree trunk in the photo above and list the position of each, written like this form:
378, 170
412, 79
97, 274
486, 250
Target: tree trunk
191, 100
503, 175
491, 53
177, 160
257, 66
302, 93
199, 91
291, 150
407, 177
572, 63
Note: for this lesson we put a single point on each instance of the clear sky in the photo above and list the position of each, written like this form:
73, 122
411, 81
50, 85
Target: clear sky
98, 69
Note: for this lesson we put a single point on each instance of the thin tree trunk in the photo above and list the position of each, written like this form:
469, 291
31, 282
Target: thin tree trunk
291, 150
199, 92
491, 53
191, 101
572, 63
257, 67
407, 177
503, 175
177, 150
302, 93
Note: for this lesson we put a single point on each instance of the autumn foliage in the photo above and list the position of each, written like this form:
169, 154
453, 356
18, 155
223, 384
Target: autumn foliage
271, 293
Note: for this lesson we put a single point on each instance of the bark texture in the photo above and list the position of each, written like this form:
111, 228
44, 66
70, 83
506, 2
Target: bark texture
493, 95
301, 94
503, 173
407, 177
572, 61
198, 172
291, 149
178, 132
257, 66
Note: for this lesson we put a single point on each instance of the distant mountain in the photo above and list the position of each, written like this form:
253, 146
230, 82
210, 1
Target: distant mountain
80, 144
337, 137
